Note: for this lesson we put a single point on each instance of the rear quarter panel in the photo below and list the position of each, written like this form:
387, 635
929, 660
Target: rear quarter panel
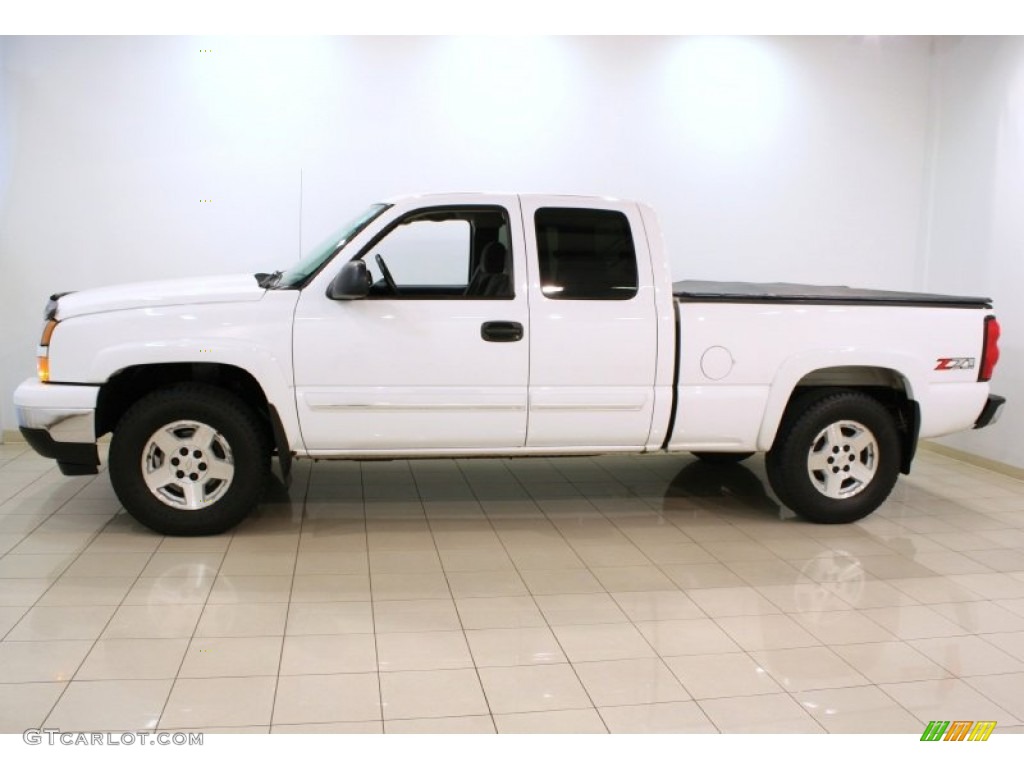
739, 364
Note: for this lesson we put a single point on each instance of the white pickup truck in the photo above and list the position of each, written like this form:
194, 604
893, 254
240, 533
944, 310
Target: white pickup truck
497, 325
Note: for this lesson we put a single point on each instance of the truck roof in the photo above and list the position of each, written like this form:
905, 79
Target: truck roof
469, 196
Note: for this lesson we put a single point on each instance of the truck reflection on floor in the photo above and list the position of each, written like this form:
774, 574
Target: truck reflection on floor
831, 580
718, 486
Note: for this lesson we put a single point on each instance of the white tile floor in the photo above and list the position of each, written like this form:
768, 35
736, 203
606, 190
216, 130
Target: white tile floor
618, 594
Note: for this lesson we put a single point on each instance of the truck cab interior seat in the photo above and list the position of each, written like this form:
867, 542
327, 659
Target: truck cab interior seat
491, 277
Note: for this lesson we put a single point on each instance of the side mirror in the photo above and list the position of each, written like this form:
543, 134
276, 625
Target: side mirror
352, 282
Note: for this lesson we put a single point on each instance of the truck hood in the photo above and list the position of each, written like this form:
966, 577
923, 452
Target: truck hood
160, 293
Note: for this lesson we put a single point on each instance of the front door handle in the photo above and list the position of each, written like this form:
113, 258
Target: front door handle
501, 330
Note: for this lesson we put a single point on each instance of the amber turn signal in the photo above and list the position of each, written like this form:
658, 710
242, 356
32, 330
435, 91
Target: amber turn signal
47, 332
43, 368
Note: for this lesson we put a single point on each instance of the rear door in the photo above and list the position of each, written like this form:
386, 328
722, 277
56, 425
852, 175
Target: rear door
593, 324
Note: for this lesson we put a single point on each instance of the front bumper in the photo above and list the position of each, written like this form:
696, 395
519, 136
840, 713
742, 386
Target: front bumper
59, 422
991, 412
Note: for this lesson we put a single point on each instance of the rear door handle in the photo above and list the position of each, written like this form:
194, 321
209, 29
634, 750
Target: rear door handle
501, 330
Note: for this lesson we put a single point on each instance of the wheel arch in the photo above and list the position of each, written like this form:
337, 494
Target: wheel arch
129, 384
888, 385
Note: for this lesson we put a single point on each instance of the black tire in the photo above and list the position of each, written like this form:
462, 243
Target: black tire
723, 458
836, 457
223, 485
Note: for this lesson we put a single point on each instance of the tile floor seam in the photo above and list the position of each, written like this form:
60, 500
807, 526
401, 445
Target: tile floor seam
74, 559
885, 693
980, 692
861, 612
291, 590
78, 668
551, 628
714, 722
288, 605
607, 592
515, 567
192, 636
380, 681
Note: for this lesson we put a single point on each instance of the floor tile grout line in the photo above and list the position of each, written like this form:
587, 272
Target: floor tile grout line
632, 623
547, 623
658, 655
518, 573
50, 515
373, 603
288, 605
192, 636
99, 636
967, 681
458, 614
76, 554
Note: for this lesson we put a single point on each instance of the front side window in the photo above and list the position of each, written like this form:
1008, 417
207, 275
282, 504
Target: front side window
444, 253
585, 254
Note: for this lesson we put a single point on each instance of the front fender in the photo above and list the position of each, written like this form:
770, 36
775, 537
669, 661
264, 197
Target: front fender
252, 336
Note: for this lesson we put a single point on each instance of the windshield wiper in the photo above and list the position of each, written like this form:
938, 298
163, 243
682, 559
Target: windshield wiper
267, 279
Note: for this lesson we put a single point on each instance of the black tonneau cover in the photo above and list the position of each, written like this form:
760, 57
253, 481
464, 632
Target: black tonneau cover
794, 293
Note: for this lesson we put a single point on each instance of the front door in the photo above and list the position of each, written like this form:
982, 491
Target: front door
435, 359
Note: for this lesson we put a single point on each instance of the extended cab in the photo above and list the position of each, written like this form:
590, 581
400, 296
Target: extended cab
497, 325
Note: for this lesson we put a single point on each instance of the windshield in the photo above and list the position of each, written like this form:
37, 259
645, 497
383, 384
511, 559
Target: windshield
330, 245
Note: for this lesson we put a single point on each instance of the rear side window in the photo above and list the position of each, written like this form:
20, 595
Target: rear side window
585, 254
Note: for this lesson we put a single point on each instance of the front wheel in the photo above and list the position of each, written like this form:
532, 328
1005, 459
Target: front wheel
836, 459
189, 460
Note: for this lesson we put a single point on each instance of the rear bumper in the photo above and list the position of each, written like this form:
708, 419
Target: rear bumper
991, 412
59, 422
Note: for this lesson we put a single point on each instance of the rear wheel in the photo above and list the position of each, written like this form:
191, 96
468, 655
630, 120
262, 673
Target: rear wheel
836, 458
189, 460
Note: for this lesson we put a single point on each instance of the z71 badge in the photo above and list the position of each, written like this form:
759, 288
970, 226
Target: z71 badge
954, 364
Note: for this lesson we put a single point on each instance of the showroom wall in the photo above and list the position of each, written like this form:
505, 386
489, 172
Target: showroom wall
5, 155
769, 158
976, 232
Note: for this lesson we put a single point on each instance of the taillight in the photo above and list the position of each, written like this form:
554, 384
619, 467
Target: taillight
990, 352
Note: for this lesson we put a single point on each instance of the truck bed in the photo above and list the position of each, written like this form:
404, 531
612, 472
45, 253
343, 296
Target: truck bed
698, 291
